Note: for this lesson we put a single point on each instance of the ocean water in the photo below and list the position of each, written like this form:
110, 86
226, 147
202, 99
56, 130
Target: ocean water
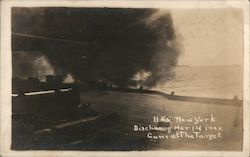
206, 81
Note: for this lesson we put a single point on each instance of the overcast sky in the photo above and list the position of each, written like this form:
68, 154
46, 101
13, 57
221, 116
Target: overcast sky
209, 36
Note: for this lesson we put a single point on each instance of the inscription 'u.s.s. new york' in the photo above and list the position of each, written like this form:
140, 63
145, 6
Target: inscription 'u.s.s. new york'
179, 119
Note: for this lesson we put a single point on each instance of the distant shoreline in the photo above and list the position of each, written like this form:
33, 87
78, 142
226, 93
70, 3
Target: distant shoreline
220, 101
229, 65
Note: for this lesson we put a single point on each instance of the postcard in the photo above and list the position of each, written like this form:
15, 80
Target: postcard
116, 78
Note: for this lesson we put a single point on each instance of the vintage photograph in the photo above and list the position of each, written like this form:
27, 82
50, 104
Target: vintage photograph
89, 78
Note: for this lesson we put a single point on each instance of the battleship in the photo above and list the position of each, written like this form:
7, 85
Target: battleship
53, 115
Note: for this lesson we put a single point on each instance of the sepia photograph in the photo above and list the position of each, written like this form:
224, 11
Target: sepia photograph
125, 79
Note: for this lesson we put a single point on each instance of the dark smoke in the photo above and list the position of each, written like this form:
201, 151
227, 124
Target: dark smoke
27, 64
116, 44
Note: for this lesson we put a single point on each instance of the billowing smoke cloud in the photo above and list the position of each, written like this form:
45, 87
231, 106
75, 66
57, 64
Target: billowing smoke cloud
123, 47
27, 64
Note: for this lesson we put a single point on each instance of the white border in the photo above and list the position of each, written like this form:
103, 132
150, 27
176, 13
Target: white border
6, 73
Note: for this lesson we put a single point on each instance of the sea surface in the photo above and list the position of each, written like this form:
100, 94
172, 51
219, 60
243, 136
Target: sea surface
206, 81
